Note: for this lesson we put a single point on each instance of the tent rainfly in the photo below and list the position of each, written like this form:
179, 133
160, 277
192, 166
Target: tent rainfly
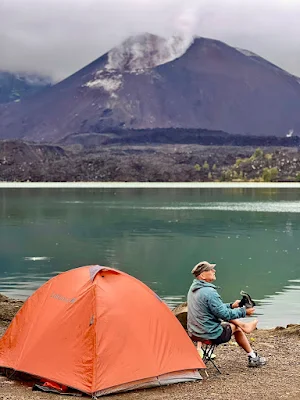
99, 330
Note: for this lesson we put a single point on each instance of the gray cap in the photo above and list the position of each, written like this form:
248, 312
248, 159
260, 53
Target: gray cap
202, 267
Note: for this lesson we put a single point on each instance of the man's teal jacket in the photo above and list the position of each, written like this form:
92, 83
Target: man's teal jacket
206, 310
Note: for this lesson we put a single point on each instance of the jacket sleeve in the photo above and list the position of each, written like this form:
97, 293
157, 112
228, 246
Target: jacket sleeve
221, 310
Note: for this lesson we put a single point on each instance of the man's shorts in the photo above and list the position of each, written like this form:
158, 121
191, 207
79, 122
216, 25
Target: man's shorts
225, 335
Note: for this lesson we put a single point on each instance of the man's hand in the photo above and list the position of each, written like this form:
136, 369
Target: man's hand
250, 311
236, 304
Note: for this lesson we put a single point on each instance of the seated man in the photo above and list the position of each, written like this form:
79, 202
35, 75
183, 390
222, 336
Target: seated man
210, 318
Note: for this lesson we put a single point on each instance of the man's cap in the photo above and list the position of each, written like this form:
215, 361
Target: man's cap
202, 267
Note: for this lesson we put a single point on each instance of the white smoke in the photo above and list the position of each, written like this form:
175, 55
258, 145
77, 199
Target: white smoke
142, 52
146, 51
58, 37
186, 25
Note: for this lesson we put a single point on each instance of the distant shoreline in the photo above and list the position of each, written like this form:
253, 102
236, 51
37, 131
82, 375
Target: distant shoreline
150, 185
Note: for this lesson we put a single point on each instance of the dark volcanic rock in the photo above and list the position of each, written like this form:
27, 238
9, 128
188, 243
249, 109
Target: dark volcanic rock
21, 161
146, 163
210, 86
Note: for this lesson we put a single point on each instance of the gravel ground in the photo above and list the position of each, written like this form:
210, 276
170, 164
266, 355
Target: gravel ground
279, 379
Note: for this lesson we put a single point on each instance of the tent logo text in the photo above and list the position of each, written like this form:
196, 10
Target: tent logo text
62, 298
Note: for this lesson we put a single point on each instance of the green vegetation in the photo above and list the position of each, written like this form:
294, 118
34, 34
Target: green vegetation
205, 165
197, 167
258, 153
258, 167
268, 156
239, 161
270, 174
226, 175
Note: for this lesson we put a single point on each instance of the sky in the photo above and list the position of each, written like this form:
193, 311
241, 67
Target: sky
58, 37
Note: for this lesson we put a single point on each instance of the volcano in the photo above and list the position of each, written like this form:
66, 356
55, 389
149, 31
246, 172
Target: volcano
149, 82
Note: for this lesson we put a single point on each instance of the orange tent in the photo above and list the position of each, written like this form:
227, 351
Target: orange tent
99, 330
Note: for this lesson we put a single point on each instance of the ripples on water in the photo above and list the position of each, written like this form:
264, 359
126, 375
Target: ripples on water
91, 232
283, 306
272, 207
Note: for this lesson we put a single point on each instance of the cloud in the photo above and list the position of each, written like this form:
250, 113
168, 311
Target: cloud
58, 37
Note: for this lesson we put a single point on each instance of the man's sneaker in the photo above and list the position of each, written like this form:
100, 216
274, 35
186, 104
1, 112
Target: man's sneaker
246, 300
256, 361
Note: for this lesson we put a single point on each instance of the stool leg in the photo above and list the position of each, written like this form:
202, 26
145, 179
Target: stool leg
207, 352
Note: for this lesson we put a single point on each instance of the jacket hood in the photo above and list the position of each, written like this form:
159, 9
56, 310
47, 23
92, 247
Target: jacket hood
198, 284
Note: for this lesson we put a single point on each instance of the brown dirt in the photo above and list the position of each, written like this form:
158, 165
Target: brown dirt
279, 379
8, 309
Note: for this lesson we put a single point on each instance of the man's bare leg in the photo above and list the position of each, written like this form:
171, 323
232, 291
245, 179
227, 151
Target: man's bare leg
246, 327
241, 338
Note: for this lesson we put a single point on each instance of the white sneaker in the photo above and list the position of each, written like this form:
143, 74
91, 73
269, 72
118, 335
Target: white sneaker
256, 361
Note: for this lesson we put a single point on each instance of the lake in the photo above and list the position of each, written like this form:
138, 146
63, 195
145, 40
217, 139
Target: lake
158, 235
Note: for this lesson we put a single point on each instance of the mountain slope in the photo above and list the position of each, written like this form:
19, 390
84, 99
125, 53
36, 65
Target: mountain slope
150, 83
13, 87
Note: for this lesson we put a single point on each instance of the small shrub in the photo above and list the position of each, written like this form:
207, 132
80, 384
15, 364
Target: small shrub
205, 165
297, 177
247, 160
269, 174
214, 167
238, 162
268, 156
226, 176
235, 175
258, 153
197, 167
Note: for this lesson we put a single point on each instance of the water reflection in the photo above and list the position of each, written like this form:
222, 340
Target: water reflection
282, 308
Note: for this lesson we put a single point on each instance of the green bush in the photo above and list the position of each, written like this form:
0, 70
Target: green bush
258, 153
268, 156
205, 165
239, 161
234, 175
226, 176
197, 167
297, 177
270, 174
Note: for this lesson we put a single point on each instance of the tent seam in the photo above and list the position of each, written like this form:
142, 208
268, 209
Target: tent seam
95, 339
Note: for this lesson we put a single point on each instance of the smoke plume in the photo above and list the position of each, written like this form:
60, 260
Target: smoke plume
58, 37
147, 51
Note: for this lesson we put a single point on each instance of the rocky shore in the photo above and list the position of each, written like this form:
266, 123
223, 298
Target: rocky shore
279, 379
25, 162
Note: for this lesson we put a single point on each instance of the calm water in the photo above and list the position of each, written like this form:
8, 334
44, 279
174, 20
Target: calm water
158, 235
